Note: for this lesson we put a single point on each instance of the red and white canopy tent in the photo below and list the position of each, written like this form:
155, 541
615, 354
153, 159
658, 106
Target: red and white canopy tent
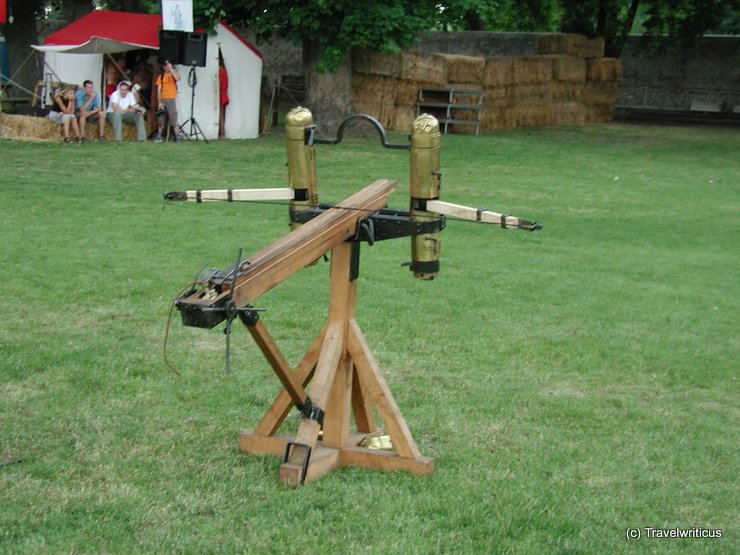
77, 52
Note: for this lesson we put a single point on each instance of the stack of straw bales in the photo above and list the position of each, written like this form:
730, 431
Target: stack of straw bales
35, 128
566, 80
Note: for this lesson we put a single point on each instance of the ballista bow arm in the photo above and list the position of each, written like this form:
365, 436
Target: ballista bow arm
482, 215
231, 195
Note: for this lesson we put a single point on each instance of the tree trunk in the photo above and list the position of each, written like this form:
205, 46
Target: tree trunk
19, 35
328, 95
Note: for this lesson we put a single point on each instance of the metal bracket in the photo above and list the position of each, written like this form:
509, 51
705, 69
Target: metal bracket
310, 138
311, 411
386, 223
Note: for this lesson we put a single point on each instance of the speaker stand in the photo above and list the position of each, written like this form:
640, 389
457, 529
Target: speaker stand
195, 130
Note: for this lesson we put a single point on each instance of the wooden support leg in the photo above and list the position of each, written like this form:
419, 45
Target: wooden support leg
262, 439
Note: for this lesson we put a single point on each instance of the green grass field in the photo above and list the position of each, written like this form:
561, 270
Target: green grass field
572, 384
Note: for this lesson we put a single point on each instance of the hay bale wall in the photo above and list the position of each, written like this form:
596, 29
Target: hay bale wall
35, 128
566, 80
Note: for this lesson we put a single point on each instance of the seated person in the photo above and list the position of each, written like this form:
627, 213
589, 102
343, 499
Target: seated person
87, 103
122, 108
64, 101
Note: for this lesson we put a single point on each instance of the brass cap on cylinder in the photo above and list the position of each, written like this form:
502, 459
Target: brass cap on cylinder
299, 117
425, 131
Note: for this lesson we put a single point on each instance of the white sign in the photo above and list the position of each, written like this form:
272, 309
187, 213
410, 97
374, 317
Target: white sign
177, 15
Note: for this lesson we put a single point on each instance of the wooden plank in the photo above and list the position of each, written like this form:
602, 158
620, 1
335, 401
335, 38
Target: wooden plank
322, 460
208, 195
280, 366
282, 404
299, 248
363, 410
373, 382
385, 460
336, 420
257, 444
332, 350
471, 214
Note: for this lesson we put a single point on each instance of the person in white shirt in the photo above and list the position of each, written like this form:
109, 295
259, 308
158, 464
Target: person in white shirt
123, 108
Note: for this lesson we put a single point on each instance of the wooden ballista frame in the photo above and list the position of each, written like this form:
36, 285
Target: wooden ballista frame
344, 377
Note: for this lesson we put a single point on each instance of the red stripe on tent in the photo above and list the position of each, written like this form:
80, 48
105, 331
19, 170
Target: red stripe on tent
131, 28
241, 38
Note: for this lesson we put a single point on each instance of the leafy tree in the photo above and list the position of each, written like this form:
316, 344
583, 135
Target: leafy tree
328, 30
682, 22
499, 15
670, 23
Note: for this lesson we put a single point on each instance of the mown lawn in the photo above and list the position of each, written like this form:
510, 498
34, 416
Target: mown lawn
572, 384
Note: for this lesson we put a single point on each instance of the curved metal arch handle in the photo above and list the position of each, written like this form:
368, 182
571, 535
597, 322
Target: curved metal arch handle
311, 133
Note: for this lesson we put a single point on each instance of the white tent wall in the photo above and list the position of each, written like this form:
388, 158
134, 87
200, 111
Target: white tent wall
74, 68
244, 68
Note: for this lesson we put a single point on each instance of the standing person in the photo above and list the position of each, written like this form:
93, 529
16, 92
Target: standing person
65, 102
113, 73
123, 108
166, 84
223, 96
87, 103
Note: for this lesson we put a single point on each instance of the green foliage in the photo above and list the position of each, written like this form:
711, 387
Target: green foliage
680, 23
571, 383
337, 25
501, 15
670, 24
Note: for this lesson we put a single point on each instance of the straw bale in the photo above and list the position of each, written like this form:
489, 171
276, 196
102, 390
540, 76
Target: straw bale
498, 71
374, 63
422, 66
532, 114
532, 69
599, 113
569, 112
375, 95
568, 68
541, 92
464, 69
501, 118
29, 128
604, 69
36, 128
402, 118
562, 91
600, 92
501, 95
570, 45
407, 92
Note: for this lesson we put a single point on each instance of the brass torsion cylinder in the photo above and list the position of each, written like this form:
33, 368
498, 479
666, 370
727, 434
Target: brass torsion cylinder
301, 161
424, 185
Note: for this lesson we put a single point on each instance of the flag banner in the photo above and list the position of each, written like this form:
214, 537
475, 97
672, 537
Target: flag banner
177, 15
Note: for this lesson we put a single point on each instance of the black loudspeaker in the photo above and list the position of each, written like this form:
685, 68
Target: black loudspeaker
170, 46
194, 49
